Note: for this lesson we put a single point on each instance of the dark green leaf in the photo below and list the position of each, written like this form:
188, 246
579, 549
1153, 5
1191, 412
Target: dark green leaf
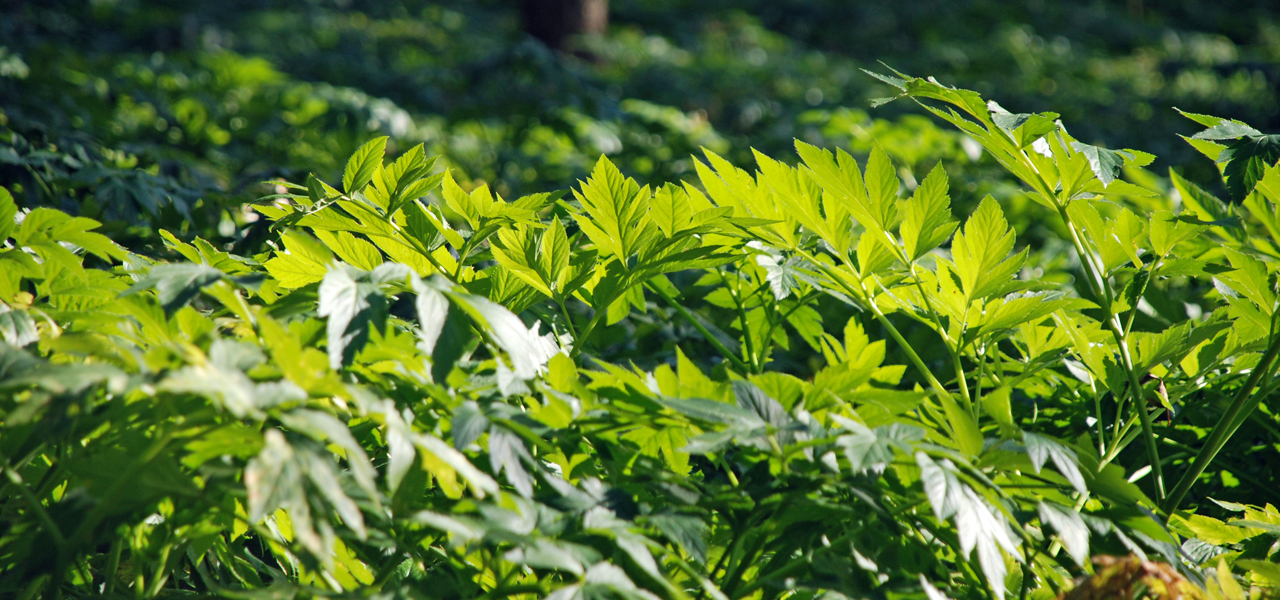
1247, 160
176, 284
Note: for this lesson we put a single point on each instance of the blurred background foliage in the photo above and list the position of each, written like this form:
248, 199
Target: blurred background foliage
167, 113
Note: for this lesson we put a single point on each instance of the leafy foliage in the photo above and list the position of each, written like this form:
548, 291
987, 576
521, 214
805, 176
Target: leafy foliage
416, 388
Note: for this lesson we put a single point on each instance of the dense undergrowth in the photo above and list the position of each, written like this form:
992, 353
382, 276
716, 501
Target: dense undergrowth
892, 358
675, 391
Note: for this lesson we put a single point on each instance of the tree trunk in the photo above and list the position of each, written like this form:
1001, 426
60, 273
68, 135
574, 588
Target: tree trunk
556, 22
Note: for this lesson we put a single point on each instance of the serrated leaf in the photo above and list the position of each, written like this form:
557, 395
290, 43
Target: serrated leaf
293, 271
1247, 161
687, 531
325, 427
965, 432
8, 210
353, 308
362, 165
1166, 231
351, 249
442, 456
507, 455
761, 404
1070, 527
670, 209
176, 284
927, 221
1250, 279
468, 424
782, 276
553, 257
1268, 570
1226, 130
711, 411
873, 448
17, 328
882, 187
1216, 532
1105, 164
980, 251
615, 210
1042, 449
941, 486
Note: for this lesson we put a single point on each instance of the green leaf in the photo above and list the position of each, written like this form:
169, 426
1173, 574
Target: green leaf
507, 454
352, 249
468, 424
176, 284
996, 403
1216, 532
8, 213
980, 252
553, 257
711, 411
17, 328
1166, 231
528, 352
761, 404
1247, 160
687, 531
872, 448
1070, 527
362, 165
1227, 130
882, 187
1250, 279
927, 221
293, 271
353, 308
1205, 205
670, 209
1024, 128
1106, 164
1268, 570
941, 486
615, 211
1041, 449
324, 427
446, 457
964, 429
782, 276
839, 176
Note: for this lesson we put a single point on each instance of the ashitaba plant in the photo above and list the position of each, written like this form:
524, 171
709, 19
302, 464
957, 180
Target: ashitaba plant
807, 379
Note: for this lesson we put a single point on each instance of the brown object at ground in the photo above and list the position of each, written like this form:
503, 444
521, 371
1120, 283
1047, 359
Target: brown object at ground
1133, 578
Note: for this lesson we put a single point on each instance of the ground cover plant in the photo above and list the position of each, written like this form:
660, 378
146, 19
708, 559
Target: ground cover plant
678, 390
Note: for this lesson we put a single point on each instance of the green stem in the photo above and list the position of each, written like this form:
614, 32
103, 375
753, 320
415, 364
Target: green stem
953, 348
884, 321
1226, 427
684, 312
1102, 428
1103, 292
564, 312
1133, 311
113, 566
1144, 416
36, 507
748, 345
960, 380
462, 258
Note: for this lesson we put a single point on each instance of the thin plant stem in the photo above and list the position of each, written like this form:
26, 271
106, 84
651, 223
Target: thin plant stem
724, 351
1103, 292
1227, 425
884, 321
